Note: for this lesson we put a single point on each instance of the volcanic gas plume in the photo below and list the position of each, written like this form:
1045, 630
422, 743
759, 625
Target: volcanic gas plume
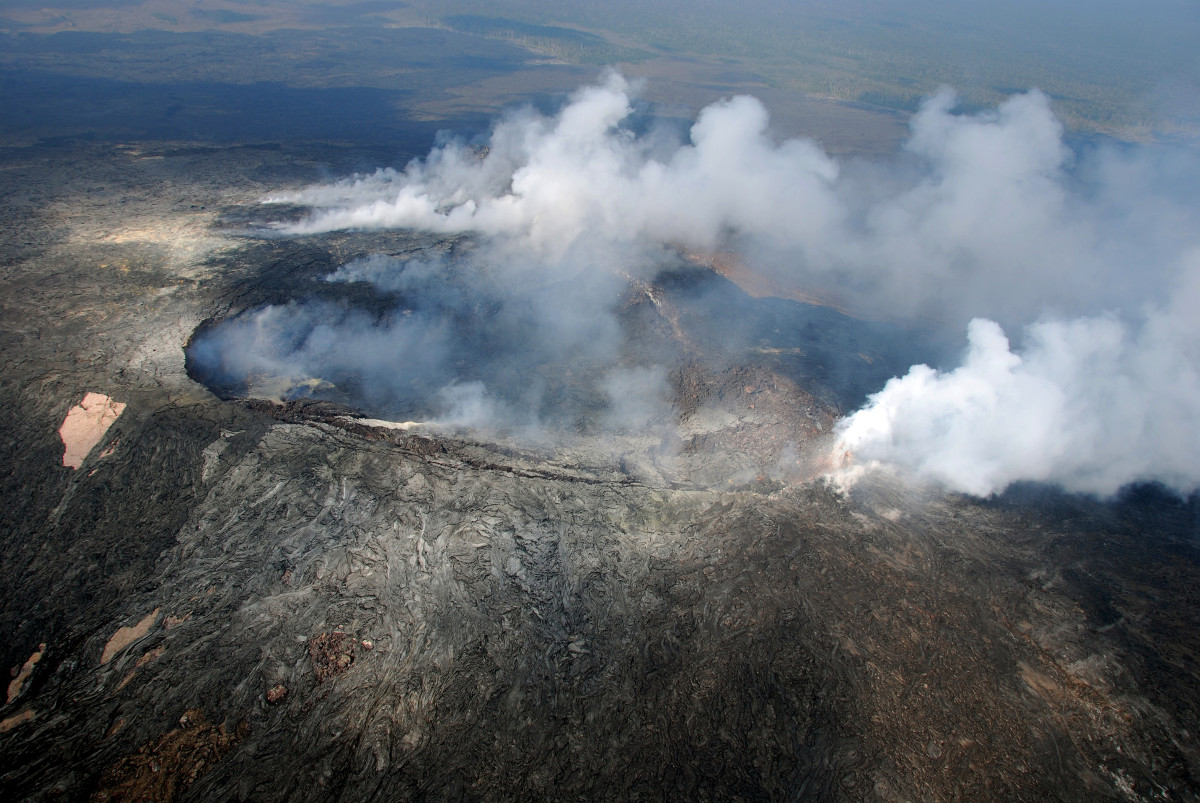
1088, 256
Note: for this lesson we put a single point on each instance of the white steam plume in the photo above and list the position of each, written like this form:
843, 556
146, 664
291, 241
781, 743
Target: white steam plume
580, 179
1090, 253
1091, 404
981, 216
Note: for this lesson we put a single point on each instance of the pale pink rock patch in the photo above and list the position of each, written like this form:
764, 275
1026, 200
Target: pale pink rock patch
18, 682
85, 425
127, 635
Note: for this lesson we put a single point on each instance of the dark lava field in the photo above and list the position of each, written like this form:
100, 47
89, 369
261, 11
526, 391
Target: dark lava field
237, 598
255, 591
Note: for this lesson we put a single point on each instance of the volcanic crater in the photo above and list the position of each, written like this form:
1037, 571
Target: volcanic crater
580, 609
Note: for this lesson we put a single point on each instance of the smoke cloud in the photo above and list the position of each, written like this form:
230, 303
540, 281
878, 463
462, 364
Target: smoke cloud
446, 338
989, 221
1091, 404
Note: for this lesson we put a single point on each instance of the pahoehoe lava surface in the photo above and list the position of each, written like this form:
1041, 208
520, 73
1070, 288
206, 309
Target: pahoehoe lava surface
320, 609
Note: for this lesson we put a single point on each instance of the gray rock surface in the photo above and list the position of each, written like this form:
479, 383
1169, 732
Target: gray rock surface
592, 621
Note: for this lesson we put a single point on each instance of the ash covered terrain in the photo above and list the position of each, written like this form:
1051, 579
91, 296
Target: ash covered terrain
595, 455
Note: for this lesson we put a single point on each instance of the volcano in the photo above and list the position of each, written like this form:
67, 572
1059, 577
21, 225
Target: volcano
247, 595
520, 471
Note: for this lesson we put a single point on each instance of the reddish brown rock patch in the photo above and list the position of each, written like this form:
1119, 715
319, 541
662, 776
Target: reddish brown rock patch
164, 769
331, 654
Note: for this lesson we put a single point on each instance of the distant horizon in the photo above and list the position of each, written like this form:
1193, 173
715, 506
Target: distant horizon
1128, 72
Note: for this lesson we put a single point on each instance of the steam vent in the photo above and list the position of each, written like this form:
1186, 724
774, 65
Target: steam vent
400, 407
